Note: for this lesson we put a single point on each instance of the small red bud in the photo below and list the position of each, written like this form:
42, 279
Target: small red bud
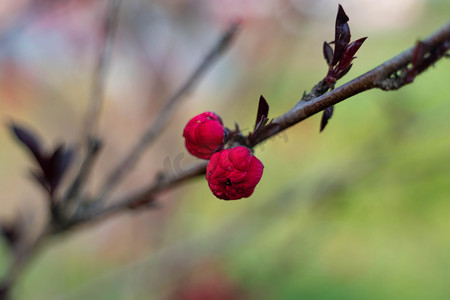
204, 135
233, 173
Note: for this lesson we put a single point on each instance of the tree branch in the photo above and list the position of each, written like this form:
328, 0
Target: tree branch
89, 139
21, 256
146, 196
302, 110
101, 70
164, 116
375, 78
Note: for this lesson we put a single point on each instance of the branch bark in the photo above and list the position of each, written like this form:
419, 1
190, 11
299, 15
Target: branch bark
375, 78
145, 195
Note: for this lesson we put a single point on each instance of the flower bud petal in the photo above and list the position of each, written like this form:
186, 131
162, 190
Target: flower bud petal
204, 134
233, 173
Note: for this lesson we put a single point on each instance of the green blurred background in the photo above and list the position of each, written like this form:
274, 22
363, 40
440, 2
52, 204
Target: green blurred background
360, 211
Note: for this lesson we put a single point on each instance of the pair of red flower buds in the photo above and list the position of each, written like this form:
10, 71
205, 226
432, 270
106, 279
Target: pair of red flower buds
231, 173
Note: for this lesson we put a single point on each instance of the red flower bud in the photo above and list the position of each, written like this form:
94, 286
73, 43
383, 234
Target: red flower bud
204, 135
233, 173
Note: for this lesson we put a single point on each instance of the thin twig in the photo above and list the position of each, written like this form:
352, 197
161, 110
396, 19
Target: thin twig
21, 257
101, 69
164, 116
89, 139
75, 189
146, 194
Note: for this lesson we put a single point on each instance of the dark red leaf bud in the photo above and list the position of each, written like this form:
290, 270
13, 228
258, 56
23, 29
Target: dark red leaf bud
327, 53
30, 140
349, 53
341, 35
263, 110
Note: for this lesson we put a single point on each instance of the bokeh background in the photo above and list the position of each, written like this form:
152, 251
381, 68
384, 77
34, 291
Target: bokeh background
360, 211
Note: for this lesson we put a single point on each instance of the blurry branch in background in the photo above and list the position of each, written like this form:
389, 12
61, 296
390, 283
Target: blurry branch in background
164, 115
74, 208
146, 196
101, 70
89, 135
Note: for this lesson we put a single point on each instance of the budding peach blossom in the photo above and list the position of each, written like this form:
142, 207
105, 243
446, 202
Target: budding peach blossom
233, 173
204, 135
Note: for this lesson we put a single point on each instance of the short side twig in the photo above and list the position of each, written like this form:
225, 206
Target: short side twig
146, 195
76, 188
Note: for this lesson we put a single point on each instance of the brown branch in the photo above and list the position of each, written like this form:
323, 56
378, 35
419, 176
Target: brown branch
302, 110
146, 195
20, 258
75, 190
101, 69
164, 116
89, 139
375, 78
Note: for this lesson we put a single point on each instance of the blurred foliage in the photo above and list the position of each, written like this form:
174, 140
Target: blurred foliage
359, 211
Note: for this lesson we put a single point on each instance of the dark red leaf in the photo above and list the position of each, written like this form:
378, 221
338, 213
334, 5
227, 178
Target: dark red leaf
52, 167
58, 163
350, 52
341, 36
342, 73
327, 114
263, 110
327, 53
341, 17
260, 125
52, 171
29, 139
64, 160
